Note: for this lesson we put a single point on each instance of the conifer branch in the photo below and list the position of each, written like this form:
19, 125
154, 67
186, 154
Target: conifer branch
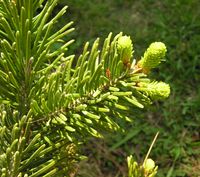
48, 104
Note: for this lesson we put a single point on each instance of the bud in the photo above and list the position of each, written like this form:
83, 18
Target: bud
156, 90
125, 48
149, 165
153, 56
162, 90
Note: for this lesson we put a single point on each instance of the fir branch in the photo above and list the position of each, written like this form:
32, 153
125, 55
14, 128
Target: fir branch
49, 105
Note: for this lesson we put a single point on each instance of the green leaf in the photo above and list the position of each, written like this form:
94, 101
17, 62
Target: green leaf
91, 115
46, 168
134, 101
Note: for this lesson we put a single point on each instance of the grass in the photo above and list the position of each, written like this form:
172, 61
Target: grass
176, 23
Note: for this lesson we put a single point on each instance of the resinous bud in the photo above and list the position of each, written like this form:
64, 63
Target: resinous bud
153, 56
125, 48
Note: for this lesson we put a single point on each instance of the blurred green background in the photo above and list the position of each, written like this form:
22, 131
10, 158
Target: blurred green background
177, 24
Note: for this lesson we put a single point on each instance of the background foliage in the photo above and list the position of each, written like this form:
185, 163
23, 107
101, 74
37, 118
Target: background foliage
177, 24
